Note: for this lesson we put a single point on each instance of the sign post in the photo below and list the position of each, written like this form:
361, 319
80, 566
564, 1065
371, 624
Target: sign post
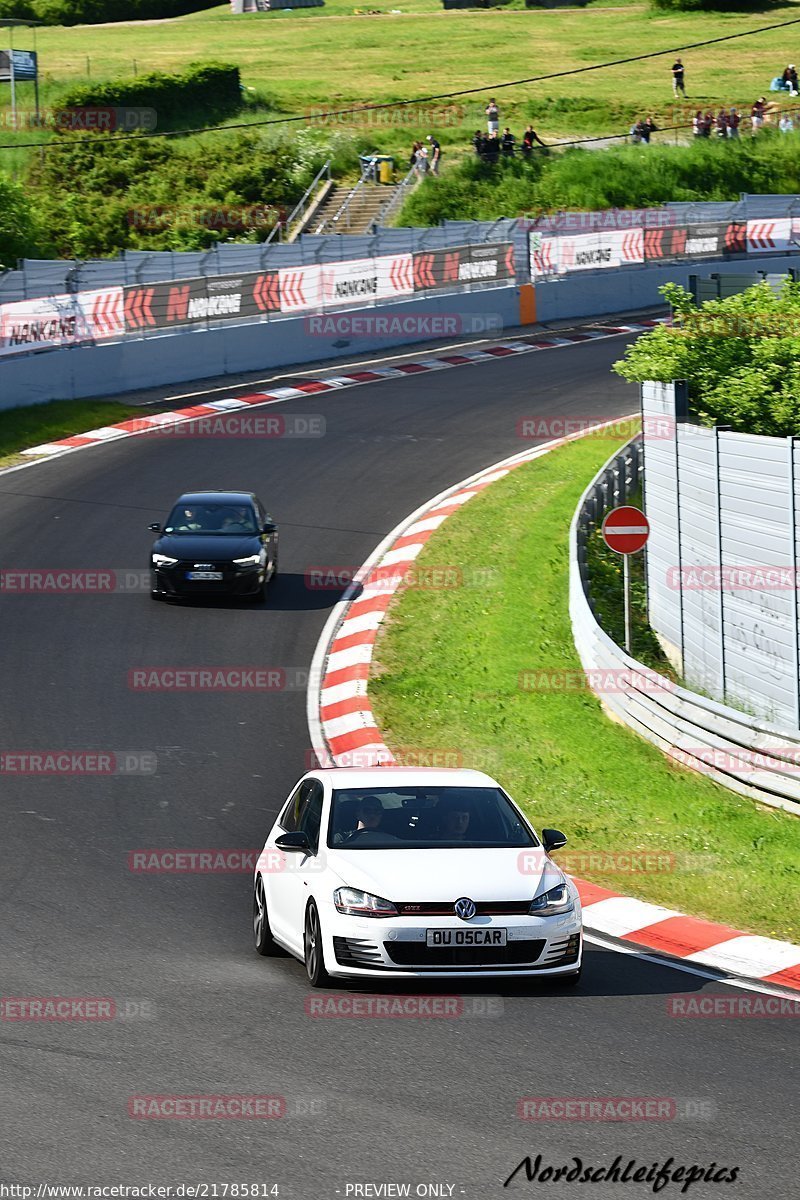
625, 531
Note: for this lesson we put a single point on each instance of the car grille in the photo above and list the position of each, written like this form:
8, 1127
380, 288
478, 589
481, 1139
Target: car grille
355, 952
483, 908
417, 954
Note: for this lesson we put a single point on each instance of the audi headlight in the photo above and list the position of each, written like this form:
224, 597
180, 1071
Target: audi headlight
553, 903
163, 560
353, 903
252, 560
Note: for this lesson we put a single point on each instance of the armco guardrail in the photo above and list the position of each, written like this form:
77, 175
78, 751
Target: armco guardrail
48, 277
111, 314
564, 243
749, 756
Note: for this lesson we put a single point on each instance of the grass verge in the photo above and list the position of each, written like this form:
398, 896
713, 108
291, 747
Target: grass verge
448, 666
40, 423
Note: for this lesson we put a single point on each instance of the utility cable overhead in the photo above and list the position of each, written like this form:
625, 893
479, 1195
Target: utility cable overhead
103, 139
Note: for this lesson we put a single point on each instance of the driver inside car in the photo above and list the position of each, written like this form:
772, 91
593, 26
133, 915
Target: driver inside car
370, 813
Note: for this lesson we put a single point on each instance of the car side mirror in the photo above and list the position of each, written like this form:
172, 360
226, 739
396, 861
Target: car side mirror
155, 527
553, 839
296, 843
268, 527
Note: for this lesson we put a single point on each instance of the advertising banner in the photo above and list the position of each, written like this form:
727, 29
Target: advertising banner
63, 320
485, 262
594, 251
768, 235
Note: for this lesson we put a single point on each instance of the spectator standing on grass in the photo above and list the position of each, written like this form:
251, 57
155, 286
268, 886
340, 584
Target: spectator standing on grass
492, 117
734, 120
697, 124
757, 113
677, 79
434, 154
707, 123
492, 148
722, 123
477, 142
786, 124
507, 142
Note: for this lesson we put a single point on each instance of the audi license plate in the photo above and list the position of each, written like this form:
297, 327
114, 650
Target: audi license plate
204, 575
466, 937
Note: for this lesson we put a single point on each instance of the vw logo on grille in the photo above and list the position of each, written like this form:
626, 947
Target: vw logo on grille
465, 908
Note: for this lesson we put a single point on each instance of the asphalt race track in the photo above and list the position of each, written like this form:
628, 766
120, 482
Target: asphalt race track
368, 1101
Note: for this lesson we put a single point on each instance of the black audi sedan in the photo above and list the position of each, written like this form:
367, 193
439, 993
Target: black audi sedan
214, 544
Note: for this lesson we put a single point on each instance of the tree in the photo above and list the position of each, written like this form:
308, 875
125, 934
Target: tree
18, 227
740, 357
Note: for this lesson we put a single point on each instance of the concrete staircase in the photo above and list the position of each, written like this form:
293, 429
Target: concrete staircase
357, 217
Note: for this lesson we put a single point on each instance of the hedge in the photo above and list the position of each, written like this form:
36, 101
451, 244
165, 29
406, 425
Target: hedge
95, 12
203, 93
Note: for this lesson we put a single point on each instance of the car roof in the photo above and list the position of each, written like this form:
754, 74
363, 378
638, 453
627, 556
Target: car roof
216, 498
381, 777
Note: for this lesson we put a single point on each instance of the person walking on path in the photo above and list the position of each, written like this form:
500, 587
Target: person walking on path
492, 117
528, 138
734, 120
677, 79
434, 155
421, 164
757, 113
722, 123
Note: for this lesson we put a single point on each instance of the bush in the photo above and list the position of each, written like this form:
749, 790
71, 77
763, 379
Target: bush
93, 12
740, 357
623, 177
204, 93
18, 228
716, 5
143, 193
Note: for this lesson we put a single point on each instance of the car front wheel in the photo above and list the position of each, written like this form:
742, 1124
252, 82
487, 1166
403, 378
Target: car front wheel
312, 944
262, 934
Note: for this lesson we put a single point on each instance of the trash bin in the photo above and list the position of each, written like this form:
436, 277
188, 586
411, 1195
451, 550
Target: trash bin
386, 170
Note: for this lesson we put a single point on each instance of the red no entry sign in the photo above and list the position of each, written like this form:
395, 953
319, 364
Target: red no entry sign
625, 530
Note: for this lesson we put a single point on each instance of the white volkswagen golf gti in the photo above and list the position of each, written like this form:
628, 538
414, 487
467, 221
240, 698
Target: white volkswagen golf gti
406, 872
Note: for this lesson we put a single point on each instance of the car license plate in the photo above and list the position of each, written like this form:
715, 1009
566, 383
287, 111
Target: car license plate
466, 937
204, 575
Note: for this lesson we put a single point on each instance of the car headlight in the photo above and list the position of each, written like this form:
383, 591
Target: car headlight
553, 903
252, 560
163, 560
362, 904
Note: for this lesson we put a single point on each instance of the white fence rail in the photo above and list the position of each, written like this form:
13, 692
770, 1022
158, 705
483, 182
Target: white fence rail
749, 756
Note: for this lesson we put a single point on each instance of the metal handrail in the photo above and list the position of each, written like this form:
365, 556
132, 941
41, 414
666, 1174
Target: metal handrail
344, 209
300, 207
394, 200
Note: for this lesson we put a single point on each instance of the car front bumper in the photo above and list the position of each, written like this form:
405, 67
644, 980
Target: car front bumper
172, 581
381, 947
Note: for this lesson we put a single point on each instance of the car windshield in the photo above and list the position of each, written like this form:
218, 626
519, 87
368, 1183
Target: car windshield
211, 518
400, 818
